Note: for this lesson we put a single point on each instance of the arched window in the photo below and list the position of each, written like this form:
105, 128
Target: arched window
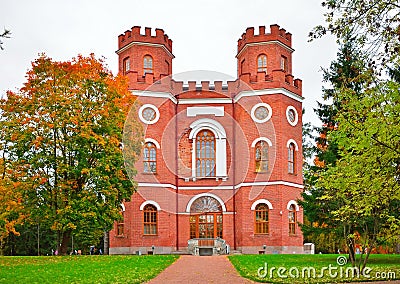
284, 64
126, 65
205, 154
261, 156
291, 158
292, 220
149, 220
149, 158
121, 223
206, 218
147, 64
261, 219
262, 63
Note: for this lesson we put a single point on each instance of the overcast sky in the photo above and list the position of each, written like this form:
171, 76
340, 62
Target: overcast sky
204, 34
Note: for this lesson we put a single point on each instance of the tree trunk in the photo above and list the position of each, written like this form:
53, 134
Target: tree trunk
106, 242
65, 241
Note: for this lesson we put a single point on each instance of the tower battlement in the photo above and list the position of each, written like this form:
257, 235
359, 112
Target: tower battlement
164, 83
134, 35
276, 34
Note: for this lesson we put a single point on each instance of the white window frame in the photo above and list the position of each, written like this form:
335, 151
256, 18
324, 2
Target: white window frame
296, 115
220, 144
152, 107
253, 110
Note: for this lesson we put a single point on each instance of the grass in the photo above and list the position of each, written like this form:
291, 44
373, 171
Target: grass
82, 269
248, 265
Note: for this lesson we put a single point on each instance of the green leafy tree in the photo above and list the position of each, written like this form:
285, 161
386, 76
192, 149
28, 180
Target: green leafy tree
67, 145
320, 227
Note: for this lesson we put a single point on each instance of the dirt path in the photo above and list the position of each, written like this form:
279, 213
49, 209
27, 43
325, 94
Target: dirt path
200, 269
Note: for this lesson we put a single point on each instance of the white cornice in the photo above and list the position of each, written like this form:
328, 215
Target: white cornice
204, 101
265, 42
268, 92
223, 187
146, 44
155, 95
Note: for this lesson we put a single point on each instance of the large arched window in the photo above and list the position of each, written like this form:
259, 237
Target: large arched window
205, 154
149, 158
262, 63
291, 158
261, 156
149, 220
261, 217
292, 220
147, 64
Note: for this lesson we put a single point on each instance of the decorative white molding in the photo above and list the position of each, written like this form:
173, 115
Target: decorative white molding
253, 144
151, 140
204, 101
296, 115
267, 183
147, 44
294, 142
155, 95
264, 43
206, 123
261, 201
205, 194
222, 187
195, 111
153, 107
292, 202
254, 108
123, 207
220, 144
162, 185
149, 202
266, 92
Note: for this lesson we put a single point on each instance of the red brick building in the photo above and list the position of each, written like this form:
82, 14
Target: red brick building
219, 160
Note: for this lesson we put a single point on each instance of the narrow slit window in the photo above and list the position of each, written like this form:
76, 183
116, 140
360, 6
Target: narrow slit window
147, 64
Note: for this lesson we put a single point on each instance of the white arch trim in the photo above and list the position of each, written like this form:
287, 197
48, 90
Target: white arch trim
292, 202
123, 207
253, 206
294, 142
220, 144
261, 139
207, 123
152, 141
205, 194
150, 202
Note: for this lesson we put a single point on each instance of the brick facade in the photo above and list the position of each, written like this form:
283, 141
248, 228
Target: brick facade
259, 108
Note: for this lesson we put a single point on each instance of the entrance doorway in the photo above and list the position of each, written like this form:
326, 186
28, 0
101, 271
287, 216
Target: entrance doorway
206, 218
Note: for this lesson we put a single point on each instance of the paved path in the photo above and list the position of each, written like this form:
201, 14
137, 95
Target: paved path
200, 269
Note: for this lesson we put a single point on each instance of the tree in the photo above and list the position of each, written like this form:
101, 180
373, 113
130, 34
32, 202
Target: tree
5, 34
365, 180
375, 22
67, 145
320, 226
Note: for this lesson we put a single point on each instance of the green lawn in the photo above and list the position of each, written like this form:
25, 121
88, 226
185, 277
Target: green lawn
387, 267
82, 269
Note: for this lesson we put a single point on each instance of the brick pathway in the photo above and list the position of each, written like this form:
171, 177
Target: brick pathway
200, 269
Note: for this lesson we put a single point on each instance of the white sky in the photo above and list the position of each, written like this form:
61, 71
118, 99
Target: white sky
204, 34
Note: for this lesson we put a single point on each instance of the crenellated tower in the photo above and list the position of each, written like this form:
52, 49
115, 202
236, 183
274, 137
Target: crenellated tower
144, 58
267, 57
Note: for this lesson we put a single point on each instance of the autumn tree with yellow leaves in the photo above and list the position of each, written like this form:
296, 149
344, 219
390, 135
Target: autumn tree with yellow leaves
65, 145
